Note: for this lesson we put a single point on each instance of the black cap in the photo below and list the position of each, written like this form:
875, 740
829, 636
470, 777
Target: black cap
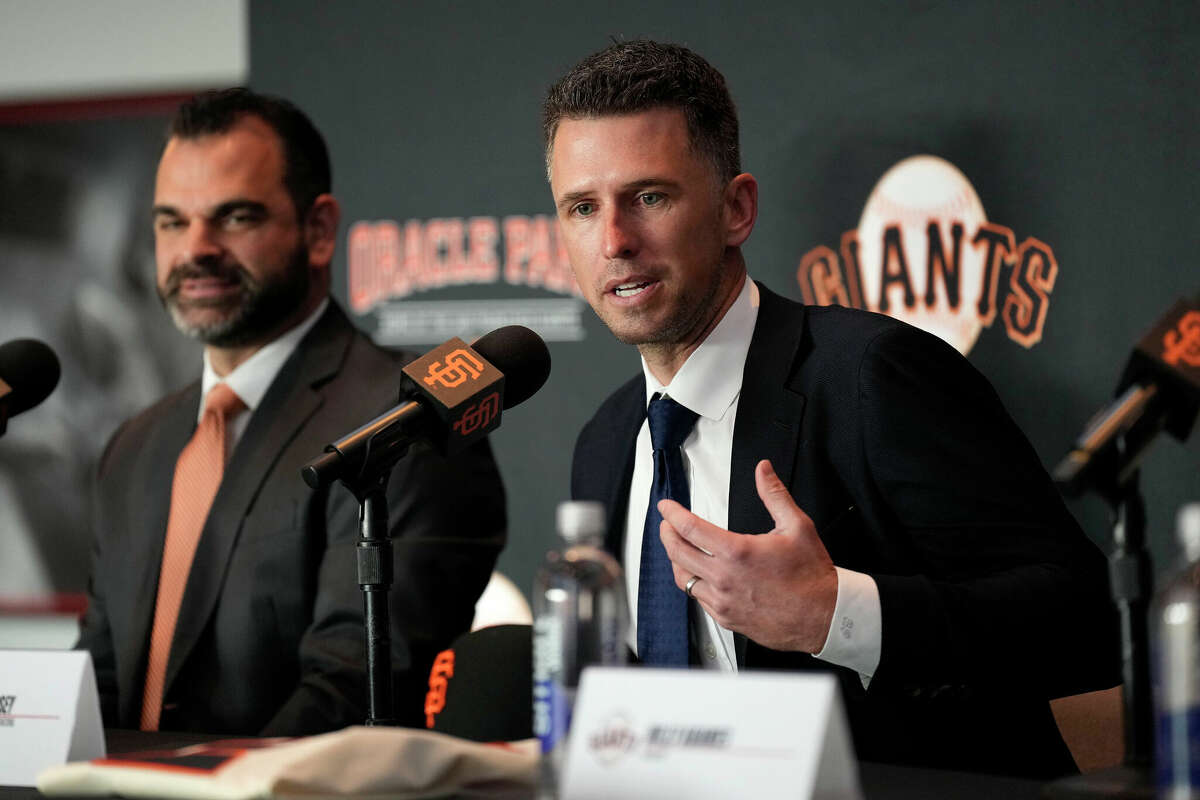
482, 687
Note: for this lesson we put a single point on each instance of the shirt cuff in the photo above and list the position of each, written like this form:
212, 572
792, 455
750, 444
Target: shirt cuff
856, 633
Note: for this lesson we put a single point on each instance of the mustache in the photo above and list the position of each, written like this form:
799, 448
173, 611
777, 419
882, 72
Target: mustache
232, 273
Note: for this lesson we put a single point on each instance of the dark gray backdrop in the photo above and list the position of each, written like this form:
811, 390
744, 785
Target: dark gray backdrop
1075, 123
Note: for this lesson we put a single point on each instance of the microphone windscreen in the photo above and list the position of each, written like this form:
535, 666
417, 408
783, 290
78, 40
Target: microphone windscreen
521, 355
482, 687
1166, 356
31, 370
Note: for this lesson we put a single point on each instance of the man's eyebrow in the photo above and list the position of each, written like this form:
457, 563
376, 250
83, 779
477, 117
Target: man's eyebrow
222, 210
646, 183
570, 197
239, 204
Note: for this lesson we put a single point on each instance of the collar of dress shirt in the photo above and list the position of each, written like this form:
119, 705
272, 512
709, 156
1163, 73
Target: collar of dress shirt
251, 379
711, 378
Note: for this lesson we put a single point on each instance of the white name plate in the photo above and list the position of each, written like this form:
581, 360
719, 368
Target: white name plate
656, 733
49, 712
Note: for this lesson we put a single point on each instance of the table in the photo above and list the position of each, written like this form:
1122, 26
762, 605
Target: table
879, 781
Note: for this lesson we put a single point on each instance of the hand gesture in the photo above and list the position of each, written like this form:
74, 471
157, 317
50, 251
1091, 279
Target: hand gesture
777, 588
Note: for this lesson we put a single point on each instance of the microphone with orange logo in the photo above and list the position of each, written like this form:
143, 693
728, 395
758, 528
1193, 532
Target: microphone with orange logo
1159, 390
457, 390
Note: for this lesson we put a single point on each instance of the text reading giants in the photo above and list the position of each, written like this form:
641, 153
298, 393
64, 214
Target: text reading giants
1028, 272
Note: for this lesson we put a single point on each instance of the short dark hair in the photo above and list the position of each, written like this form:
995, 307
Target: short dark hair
306, 170
640, 75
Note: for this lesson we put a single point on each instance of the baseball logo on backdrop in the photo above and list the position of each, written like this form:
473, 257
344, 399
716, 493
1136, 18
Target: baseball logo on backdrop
924, 252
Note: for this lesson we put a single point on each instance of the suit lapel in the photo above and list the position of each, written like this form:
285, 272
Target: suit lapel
134, 599
768, 417
769, 412
628, 421
285, 409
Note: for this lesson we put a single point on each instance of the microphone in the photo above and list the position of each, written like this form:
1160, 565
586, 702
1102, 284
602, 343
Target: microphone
457, 392
1159, 389
29, 371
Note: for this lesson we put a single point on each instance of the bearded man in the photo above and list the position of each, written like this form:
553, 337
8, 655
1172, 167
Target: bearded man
224, 595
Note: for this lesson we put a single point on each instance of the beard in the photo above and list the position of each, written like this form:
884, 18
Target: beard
256, 310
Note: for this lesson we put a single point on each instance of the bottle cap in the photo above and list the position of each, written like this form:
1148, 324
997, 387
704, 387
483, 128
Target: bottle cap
580, 520
1187, 530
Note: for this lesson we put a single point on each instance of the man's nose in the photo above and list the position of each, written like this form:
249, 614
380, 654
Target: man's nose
620, 234
202, 243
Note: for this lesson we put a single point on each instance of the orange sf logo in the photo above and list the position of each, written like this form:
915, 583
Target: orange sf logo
461, 365
479, 415
435, 699
1183, 345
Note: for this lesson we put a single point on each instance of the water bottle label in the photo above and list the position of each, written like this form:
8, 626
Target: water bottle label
1178, 745
551, 707
551, 714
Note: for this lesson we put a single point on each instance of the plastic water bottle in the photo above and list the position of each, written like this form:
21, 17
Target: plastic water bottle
579, 619
1177, 668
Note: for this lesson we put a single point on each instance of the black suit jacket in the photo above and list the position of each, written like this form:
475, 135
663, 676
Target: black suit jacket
270, 636
992, 598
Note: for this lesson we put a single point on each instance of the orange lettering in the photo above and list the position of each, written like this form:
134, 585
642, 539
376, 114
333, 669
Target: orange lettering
516, 248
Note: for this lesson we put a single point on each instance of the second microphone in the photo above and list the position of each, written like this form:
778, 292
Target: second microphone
457, 392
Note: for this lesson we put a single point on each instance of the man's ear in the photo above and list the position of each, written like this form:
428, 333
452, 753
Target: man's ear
320, 230
740, 202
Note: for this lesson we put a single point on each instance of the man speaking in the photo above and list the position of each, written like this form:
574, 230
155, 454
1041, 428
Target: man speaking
224, 595
909, 539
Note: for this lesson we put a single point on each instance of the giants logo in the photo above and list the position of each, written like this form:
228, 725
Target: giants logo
461, 366
613, 739
925, 253
478, 415
439, 679
1182, 346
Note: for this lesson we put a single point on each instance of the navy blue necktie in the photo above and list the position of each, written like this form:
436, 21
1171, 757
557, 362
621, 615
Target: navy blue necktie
662, 621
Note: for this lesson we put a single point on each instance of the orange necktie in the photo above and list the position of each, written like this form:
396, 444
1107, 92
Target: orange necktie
197, 476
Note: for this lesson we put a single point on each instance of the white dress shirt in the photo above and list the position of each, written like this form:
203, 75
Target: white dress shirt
710, 383
251, 379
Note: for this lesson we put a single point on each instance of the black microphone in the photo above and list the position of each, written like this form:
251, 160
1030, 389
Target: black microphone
1159, 389
457, 391
29, 371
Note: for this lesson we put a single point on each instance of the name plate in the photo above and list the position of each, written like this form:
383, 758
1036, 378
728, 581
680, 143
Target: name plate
657, 733
49, 712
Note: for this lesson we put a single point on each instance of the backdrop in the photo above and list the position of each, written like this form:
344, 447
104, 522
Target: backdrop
1053, 227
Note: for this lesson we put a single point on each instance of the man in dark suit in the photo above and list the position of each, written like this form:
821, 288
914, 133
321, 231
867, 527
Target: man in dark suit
916, 547
240, 612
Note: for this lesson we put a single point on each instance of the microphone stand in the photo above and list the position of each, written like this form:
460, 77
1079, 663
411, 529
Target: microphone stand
1132, 586
374, 560
1131, 581
368, 483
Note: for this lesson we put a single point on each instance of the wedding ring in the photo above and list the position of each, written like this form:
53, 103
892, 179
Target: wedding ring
687, 588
